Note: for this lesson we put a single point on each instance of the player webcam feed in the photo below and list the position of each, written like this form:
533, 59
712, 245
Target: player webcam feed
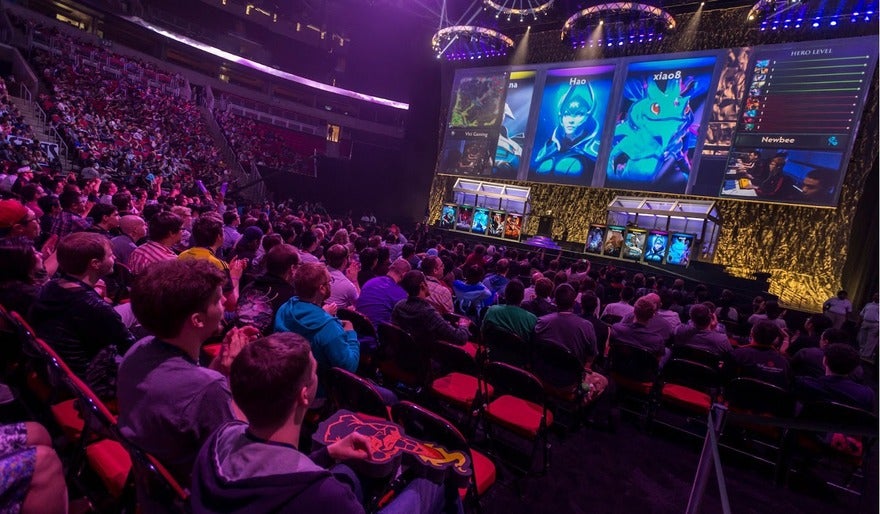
680, 249
634, 244
447, 216
658, 124
512, 134
513, 226
794, 176
570, 123
613, 241
480, 221
465, 215
595, 238
657, 242
496, 224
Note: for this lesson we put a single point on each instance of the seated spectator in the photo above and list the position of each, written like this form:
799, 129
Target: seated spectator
439, 294
334, 342
33, 478
256, 467
726, 311
261, 299
231, 235
589, 306
814, 326
640, 332
541, 304
420, 319
18, 224
761, 359
133, 230
664, 309
168, 404
509, 315
570, 331
368, 258
701, 334
835, 385
308, 243
769, 311
808, 362
379, 295
165, 231
70, 218
207, 237
105, 219
621, 307
70, 314
18, 277
529, 293
497, 280
343, 291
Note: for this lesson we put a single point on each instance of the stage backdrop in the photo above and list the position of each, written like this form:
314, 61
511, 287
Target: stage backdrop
767, 123
803, 248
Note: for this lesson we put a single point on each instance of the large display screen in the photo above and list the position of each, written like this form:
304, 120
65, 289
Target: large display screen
658, 123
772, 123
569, 128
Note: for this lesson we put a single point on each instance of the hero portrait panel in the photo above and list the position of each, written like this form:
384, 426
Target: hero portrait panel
570, 123
658, 124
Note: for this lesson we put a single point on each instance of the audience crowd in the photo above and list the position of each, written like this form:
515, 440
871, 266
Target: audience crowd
189, 312
268, 145
121, 117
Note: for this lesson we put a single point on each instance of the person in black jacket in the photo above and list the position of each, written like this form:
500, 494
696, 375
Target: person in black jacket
259, 301
420, 319
70, 314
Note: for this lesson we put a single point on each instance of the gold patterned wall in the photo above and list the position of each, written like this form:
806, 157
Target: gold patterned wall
804, 249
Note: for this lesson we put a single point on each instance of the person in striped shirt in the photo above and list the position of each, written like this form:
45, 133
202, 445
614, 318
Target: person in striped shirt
164, 232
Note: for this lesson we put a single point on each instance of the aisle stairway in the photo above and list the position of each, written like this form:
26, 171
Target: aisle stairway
42, 131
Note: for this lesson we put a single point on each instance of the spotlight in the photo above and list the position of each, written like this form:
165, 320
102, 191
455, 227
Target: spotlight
815, 24
833, 23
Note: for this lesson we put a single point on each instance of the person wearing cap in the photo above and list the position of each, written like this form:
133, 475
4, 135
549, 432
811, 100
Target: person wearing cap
24, 176
18, 223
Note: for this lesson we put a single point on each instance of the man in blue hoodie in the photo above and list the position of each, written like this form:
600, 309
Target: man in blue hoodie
334, 341
257, 466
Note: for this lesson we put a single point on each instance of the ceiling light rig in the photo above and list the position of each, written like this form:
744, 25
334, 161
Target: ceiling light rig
460, 42
617, 24
519, 9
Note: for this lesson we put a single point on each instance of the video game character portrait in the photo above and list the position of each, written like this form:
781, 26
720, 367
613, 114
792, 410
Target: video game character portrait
569, 129
594, 239
680, 250
658, 127
447, 216
513, 226
496, 224
480, 221
613, 242
656, 248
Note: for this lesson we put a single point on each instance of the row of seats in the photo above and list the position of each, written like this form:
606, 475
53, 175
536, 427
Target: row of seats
91, 435
508, 383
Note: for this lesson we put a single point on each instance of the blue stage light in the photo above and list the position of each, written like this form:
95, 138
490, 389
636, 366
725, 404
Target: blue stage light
815, 24
833, 23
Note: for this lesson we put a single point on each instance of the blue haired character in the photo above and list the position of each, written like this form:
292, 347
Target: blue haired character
574, 145
653, 137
